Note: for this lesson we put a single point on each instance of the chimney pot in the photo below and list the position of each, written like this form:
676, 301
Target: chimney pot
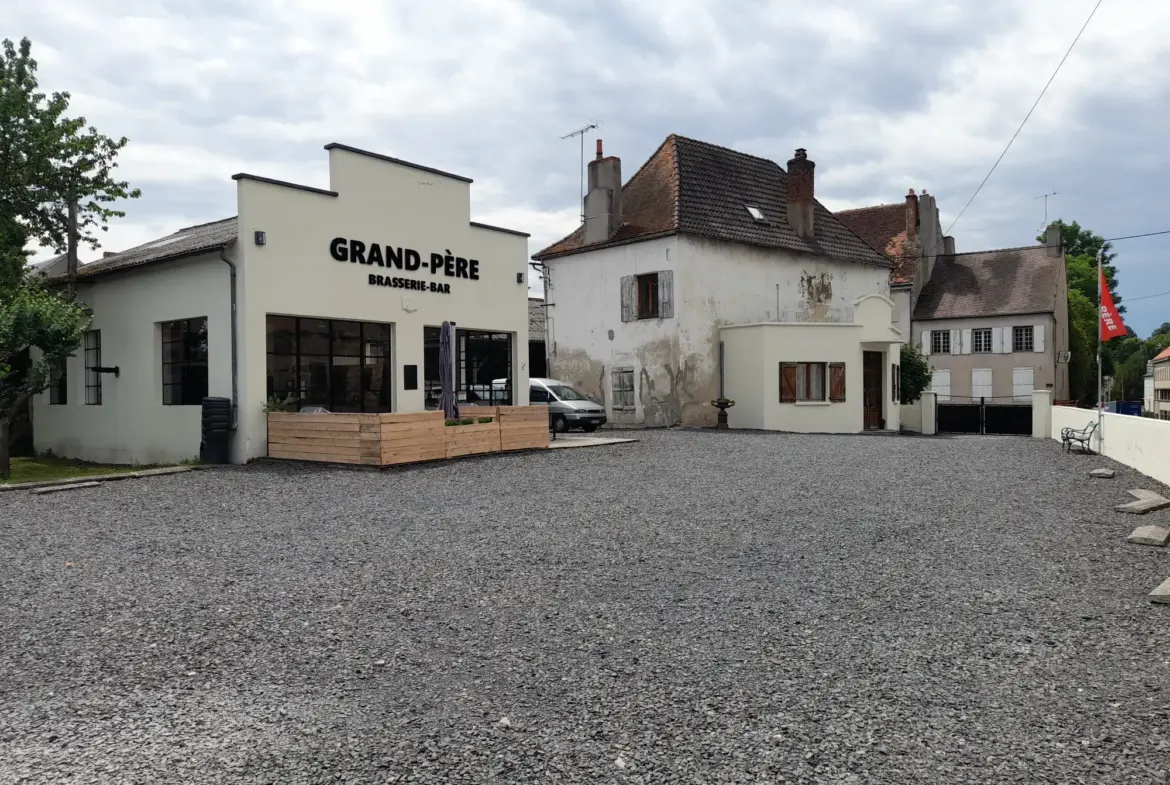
600, 154
911, 215
1053, 240
107, 253
801, 194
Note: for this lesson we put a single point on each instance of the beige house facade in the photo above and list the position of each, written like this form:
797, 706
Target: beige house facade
1160, 373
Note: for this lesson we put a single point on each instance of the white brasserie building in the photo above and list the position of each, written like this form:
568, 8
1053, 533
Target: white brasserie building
329, 297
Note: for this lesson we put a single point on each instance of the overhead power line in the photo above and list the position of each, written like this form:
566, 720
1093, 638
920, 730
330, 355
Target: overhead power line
1145, 297
1026, 117
1135, 236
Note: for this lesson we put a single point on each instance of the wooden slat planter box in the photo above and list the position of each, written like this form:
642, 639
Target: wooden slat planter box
475, 439
392, 439
414, 437
332, 438
523, 427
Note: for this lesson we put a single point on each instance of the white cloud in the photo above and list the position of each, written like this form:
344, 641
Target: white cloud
886, 95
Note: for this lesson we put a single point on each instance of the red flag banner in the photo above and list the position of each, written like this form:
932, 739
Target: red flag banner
1111, 324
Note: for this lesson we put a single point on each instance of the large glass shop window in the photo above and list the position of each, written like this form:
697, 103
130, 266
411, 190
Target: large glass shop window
340, 365
483, 367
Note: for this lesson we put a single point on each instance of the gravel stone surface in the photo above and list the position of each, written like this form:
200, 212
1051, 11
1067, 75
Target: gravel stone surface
697, 607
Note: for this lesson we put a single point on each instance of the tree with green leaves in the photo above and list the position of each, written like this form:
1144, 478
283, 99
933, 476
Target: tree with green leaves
1080, 255
915, 374
47, 162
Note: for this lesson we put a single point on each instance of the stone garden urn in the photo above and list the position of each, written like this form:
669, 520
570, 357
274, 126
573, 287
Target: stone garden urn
722, 404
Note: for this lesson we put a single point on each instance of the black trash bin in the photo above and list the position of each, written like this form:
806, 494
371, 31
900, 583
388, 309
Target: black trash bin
217, 430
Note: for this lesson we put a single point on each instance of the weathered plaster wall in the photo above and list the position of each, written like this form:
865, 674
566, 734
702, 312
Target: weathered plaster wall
675, 361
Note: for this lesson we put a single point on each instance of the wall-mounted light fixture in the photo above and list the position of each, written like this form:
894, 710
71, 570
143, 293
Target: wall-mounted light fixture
261, 238
519, 277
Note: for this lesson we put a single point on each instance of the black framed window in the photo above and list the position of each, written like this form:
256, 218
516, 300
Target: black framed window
184, 362
59, 383
1022, 339
93, 361
340, 365
483, 367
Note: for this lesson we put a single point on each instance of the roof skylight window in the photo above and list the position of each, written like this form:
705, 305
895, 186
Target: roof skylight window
756, 213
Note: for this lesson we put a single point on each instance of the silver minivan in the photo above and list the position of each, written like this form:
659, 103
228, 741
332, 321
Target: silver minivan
567, 408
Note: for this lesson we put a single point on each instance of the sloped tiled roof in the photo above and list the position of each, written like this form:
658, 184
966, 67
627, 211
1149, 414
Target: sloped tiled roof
185, 242
883, 226
701, 189
992, 283
1163, 355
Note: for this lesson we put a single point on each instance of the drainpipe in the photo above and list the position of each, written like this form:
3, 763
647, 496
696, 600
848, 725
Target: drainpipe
235, 343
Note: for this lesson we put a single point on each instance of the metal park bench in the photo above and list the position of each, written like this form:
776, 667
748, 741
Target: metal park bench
1082, 437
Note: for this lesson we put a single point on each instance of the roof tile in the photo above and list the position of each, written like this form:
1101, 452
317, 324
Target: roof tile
697, 188
883, 226
992, 283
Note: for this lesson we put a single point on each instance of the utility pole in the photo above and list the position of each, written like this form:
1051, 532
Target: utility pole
581, 133
1045, 198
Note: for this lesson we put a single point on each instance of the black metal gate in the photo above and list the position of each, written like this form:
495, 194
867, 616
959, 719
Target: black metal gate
984, 416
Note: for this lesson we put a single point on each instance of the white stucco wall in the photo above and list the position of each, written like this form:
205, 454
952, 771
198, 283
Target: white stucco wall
753, 355
132, 425
1142, 443
715, 283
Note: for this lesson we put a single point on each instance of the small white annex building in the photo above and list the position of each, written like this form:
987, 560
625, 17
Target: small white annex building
328, 297
707, 252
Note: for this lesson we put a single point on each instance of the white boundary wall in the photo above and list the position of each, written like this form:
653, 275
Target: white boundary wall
1139, 442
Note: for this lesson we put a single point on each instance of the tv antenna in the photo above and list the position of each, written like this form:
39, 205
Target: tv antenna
581, 133
1045, 198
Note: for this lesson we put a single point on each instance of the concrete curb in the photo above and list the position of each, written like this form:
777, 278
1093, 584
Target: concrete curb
71, 487
97, 478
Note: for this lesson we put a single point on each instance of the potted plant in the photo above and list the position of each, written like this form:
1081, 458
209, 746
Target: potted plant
722, 404
472, 435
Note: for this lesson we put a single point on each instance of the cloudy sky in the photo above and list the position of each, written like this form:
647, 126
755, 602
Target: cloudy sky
885, 94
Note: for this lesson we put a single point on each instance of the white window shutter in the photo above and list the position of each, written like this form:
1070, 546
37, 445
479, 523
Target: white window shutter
926, 343
666, 294
1038, 338
966, 341
997, 340
629, 298
956, 341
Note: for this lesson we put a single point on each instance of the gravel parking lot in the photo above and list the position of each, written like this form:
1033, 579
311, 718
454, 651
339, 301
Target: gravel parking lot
698, 607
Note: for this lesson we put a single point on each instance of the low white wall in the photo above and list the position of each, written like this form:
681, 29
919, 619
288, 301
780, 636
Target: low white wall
912, 417
1139, 442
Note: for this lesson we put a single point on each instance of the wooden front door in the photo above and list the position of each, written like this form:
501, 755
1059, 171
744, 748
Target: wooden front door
872, 390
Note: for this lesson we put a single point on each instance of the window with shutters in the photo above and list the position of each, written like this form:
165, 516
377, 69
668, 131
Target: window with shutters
648, 296
981, 341
940, 384
940, 342
806, 382
1022, 339
622, 380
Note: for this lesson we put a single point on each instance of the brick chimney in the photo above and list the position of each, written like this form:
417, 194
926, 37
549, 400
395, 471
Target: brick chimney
1053, 240
911, 215
800, 195
603, 200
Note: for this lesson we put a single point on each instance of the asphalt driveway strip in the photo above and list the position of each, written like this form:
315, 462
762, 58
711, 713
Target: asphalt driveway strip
695, 607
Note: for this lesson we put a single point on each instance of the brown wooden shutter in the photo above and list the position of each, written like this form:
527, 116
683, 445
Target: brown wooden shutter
836, 381
629, 298
787, 382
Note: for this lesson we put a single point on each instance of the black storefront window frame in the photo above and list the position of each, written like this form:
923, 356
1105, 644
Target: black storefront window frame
481, 393
335, 395
191, 367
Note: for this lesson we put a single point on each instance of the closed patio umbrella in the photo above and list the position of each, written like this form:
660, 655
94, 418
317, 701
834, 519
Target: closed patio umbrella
446, 373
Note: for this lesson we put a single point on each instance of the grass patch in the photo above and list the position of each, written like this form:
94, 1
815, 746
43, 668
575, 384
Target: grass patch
44, 468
